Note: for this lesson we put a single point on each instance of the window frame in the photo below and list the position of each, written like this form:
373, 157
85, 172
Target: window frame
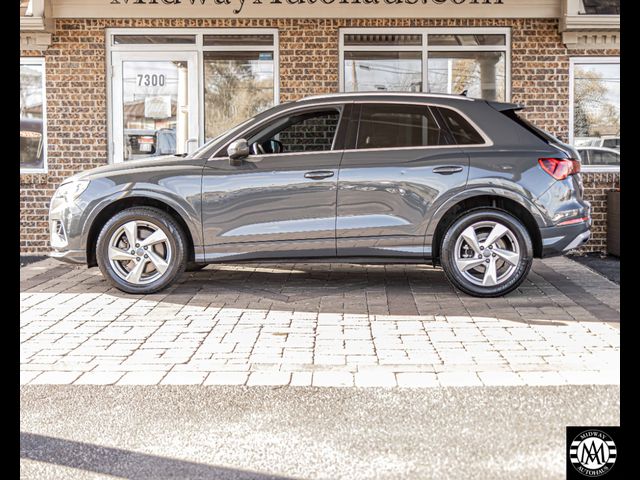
424, 48
40, 61
197, 47
573, 61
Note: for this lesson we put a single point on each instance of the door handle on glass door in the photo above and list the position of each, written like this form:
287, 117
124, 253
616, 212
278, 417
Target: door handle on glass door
447, 170
319, 174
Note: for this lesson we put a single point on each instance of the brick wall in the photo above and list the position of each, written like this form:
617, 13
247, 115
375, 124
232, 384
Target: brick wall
596, 186
77, 107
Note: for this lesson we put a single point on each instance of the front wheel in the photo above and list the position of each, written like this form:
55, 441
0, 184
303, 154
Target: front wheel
141, 250
486, 253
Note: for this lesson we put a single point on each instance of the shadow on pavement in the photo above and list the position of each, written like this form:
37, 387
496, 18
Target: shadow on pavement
124, 463
347, 289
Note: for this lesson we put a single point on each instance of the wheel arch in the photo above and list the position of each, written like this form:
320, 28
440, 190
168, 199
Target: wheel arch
110, 209
515, 205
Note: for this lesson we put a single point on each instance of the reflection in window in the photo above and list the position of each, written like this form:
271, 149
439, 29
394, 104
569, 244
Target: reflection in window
481, 74
599, 7
427, 60
596, 104
32, 105
382, 71
237, 86
463, 133
396, 126
154, 123
303, 132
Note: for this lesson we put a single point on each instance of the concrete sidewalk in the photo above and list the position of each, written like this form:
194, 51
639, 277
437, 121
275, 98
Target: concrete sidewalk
260, 433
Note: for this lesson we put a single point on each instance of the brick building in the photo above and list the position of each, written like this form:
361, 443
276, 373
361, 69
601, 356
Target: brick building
111, 80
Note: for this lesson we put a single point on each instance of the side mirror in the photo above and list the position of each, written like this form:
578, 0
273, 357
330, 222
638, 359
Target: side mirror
238, 149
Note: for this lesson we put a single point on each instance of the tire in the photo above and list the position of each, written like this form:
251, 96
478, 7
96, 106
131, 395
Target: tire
498, 272
194, 267
159, 264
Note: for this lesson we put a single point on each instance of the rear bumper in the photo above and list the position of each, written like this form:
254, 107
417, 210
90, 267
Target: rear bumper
75, 257
559, 240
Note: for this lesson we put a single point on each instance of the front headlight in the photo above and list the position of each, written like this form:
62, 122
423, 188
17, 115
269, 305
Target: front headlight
72, 190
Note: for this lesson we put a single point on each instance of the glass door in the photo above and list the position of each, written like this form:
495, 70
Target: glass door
155, 104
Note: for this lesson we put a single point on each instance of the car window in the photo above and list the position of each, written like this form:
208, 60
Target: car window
312, 131
611, 143
461, 130
584, 156
394, 126
599, 157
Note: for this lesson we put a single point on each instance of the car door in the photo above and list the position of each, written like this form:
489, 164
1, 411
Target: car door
280, 201
402, 160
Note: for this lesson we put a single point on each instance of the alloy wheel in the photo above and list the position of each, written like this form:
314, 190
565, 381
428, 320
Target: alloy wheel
487, 253
139, 252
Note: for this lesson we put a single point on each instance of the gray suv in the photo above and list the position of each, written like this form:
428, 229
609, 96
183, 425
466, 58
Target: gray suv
360, 178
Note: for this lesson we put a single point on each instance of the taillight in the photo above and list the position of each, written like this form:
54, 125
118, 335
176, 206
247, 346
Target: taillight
560, 168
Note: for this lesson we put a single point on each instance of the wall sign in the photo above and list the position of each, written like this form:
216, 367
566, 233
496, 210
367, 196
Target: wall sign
306, 8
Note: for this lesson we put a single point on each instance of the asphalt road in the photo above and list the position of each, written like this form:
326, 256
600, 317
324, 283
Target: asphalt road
196, 432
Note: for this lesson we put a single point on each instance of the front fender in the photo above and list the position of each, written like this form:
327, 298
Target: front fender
187, 206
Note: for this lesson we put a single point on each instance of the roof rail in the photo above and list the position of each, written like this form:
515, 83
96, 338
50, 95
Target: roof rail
380, 93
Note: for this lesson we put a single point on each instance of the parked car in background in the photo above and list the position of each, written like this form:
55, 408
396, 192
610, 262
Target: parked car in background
606, 141
146, 143
464, 183
599, 156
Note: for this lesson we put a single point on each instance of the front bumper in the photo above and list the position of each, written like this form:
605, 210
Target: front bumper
76, 257
560, 239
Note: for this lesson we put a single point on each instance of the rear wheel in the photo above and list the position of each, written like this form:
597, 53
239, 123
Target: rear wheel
486, 253
141, 250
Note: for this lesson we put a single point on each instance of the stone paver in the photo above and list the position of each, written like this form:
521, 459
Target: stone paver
319, 325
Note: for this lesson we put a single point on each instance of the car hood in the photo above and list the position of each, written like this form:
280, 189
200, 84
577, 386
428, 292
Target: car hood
116, 168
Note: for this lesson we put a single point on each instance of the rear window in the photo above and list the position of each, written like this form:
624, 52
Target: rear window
461, 130
395, 126
527, 125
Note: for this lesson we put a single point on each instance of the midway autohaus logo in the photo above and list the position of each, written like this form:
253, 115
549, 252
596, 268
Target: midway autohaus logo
239, 5
592, 452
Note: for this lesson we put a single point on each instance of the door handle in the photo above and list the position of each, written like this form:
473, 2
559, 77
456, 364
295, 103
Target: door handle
319, 174
447, 170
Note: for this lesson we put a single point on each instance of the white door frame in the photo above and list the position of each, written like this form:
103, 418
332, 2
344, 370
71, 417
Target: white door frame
117, 116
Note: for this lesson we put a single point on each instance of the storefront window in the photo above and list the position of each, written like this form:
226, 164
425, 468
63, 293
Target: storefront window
474, 61
152, 94
595, 103
599, 7
172, 90
480, 74
385, 71
32, 115
237, 85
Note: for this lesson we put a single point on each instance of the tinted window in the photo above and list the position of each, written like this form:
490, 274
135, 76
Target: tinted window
392, 126
301, 132
463, 133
